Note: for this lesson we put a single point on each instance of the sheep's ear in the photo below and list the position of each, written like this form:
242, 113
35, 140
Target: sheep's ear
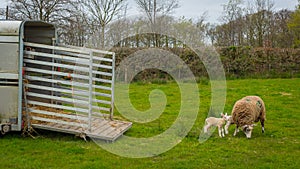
225, 114
244, 126
253, 125
222, 115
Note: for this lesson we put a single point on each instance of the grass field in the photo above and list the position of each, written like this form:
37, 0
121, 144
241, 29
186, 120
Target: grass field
278, 147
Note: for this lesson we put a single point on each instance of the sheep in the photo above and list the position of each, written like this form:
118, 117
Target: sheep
228, 123
219, 122
246, 112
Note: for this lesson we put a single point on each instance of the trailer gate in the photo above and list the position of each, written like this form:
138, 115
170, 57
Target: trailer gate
70, 89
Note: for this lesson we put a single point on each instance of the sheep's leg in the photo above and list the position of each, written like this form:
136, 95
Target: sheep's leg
226, 127
206, 128
223, 135
220, 131
236, 131
262, 122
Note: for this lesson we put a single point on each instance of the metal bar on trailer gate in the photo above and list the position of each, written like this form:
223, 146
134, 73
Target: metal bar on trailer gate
66, 90
77, 84
55, 48
102, 94
76, 109
76, 67
57, 98
60, 57
90, 49
56, 73
76, 55
93, 100
102, 101
102, 59
102, 73
69, 116
66, 74
103, 66
90, 92
102, 80
97, 58
80, 68
58, 121
113, 87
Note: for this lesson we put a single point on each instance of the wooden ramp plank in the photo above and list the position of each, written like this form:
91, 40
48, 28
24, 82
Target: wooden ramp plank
103, 129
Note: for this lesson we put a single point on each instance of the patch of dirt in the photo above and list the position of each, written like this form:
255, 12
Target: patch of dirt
285, 94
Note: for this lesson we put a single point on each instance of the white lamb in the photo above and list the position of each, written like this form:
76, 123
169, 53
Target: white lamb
228, 123
218, 122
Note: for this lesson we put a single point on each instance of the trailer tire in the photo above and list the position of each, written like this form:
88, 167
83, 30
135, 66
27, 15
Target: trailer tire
5, 129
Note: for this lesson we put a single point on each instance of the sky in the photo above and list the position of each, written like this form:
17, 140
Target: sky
214, 8
195, 8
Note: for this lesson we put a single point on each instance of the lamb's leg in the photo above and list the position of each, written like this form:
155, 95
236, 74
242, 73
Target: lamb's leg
220, 131
262, 122
227, 126
223, 135
236, 131
206, 128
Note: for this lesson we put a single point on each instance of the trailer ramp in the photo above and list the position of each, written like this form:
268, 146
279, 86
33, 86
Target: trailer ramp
71, 89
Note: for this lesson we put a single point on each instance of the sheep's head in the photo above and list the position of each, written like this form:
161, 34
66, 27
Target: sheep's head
225, 116
247, 129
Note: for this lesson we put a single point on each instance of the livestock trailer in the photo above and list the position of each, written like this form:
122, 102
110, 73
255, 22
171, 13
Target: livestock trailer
50, 86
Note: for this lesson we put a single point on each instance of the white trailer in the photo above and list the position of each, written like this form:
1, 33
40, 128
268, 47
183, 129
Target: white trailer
55, 87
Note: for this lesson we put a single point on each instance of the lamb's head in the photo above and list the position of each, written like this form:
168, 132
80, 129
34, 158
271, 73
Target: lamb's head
247, 129
225, 116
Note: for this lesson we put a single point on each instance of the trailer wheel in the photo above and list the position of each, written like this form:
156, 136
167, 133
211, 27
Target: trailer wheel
5, 128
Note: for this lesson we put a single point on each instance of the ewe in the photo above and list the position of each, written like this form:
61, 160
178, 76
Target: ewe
246, 112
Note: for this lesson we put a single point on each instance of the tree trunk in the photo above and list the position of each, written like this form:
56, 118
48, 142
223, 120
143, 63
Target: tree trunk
103, 36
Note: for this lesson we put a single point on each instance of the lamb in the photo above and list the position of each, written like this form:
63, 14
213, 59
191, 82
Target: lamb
228, 123
246, 112
219, 122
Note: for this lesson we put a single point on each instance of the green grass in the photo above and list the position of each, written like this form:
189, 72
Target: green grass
278, 147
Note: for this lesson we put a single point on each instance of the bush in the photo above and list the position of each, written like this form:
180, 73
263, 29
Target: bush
238, 62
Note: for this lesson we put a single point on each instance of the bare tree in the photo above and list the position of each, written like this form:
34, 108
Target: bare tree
233, 11
294, 26
155, 9
73, 29
282, 36
263, 20
45, 10
102, 13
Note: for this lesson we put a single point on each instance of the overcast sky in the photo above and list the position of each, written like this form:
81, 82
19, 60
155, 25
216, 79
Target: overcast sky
214, 8
195, 8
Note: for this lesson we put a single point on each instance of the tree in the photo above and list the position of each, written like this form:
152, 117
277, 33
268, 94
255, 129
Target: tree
189, 32
294, 26
45, 10
101, 13
73, 29
281, 35
233, 11
155, 9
